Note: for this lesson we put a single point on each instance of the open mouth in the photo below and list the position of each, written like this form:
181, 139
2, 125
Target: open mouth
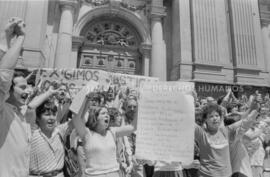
106, 121
24, 96
216, 123
51, 122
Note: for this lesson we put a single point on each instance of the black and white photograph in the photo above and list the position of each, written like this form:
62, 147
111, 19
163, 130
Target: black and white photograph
134, 88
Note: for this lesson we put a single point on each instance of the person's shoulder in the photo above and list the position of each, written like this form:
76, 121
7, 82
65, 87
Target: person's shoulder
9, 71
36, 135
6, 74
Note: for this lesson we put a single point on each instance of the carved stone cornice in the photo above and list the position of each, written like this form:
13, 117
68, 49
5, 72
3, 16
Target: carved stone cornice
68, 3
98, 2
72, 5
157, 11
145, 49
77, 41
133, 7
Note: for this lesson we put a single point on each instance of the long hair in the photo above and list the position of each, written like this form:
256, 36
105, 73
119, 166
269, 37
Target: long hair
92, 121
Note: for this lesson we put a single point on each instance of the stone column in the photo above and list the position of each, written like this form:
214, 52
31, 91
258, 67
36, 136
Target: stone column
266, 44
146, 55
64, 43
158, 54
77, 42
181, 41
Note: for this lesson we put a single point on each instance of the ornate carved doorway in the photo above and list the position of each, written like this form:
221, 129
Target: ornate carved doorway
112, 45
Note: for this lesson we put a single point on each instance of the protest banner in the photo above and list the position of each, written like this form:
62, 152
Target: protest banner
166, 122
75, 79
79, 100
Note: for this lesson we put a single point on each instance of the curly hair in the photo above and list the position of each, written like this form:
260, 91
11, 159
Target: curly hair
232, 105
209, 108
92, 121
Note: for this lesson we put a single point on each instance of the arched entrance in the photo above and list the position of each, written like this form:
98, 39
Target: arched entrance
111, 44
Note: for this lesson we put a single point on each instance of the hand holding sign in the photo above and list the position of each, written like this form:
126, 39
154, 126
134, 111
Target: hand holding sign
80, 98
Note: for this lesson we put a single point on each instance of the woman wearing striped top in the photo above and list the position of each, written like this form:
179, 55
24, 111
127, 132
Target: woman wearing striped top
47, 150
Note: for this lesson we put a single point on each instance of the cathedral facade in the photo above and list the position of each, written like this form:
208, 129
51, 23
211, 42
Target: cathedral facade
205, 41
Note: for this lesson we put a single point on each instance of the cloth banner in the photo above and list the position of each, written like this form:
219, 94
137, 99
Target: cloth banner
75, 79
166, 120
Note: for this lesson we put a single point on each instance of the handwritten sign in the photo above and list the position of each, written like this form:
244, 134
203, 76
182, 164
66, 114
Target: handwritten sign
166, 122
75, 79
80, 97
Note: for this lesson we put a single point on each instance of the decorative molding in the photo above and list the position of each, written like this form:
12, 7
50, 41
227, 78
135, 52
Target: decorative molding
264, 12
71, 3
98, 2
145, 49
123, 14
133, 7
111, 32
77, 41
157, 11
109, 47
214, 65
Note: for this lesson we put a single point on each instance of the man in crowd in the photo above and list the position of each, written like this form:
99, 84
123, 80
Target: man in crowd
130, 106
15, 131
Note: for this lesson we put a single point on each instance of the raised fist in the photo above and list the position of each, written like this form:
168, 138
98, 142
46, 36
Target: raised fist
14, 28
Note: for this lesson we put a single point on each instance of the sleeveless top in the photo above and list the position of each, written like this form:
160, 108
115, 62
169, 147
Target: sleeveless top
100, 153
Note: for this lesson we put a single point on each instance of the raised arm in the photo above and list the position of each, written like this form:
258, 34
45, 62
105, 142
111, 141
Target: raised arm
78, 121
8, 60
253, 134
244, 125
234, 99
38, 100
227, 96
127, 129
14, 29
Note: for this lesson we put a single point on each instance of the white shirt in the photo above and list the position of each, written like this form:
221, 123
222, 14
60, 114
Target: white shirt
15, 134
100, 152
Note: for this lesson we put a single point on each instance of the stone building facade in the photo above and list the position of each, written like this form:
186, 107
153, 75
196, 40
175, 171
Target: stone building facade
205, 41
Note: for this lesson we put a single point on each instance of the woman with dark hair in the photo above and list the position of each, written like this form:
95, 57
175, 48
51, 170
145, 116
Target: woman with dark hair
213, 141
47, 150
100, 141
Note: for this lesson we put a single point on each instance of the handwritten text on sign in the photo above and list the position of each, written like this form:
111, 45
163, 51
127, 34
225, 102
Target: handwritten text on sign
75, 79
166, 122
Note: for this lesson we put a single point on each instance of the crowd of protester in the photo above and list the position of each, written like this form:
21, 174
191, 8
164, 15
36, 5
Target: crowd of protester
37, 128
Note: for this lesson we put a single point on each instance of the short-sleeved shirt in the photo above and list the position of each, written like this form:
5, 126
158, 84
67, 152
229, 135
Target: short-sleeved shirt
15, 133
239, 158
239, 155
255, 148
47, 154
214, 158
